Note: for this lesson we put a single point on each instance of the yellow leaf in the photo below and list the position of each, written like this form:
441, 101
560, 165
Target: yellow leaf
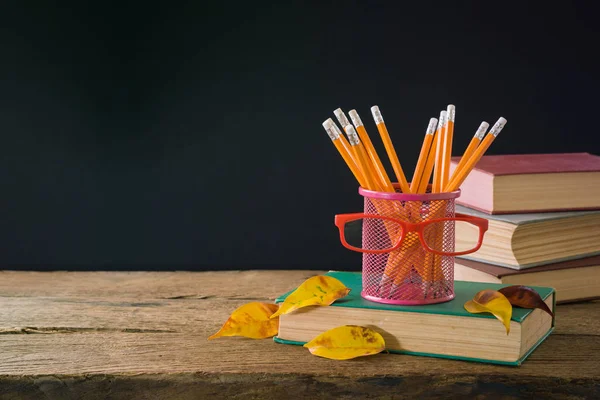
319, 290
493, 302
251, 320
346, 342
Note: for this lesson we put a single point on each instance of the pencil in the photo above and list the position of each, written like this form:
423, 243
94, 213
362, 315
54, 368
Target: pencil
421, 163
447, 153
335, 135
358, 150
424, 180
477, 154
389, 147
361, 156
470, 149
376, 161
439, 151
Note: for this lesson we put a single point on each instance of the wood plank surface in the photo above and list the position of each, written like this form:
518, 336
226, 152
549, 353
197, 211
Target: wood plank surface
65, 333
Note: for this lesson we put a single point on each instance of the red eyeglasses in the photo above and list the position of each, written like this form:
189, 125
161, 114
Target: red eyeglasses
376, 234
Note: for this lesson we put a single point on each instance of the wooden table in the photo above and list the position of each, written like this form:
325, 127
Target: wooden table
98, 335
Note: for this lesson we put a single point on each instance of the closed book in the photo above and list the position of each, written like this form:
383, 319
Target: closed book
573, 280
528, 240
519, 183
444, 330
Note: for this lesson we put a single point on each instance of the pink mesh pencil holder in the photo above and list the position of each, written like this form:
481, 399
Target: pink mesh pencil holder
407, 240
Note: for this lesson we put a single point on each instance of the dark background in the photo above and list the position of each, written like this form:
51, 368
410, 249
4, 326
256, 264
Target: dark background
187, 135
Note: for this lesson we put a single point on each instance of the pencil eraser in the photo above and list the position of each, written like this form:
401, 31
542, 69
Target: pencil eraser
352, 136
377, 115
442, 120
329, 125
327, 122
498, 126
451, 112
335, 128
341, 117
431, 127
355, 118
482, 130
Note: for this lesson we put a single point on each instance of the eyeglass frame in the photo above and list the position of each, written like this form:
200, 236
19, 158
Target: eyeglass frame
408, 227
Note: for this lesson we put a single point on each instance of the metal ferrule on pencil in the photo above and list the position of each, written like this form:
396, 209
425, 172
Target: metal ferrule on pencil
341, 117
451, 112
335, 128
352, 136
333, 135
355, 118
431, 127
498, 126
482, 130
377, 115
442, 120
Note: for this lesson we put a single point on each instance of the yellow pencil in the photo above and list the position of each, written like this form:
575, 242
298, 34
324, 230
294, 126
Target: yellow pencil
422, 162
485, 144
335, 135
439, 151
424, 180
470, 149
376, 161
359, 151
389, 147
363, 160
447, 153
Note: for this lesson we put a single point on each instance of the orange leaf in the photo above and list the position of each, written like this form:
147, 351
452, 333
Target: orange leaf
319, 290
251, 320
346, 342
525, 297
493, 302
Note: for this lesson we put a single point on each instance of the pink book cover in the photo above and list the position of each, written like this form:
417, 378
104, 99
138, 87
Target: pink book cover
477, 190
518, 164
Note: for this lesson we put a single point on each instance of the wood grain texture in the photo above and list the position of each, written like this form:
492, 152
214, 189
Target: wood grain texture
112, 332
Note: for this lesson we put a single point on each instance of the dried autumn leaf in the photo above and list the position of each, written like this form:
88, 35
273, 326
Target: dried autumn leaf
251, 320
493, 302
525, 297
319, 290
346, 342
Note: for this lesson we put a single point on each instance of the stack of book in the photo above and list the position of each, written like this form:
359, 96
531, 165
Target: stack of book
544, 222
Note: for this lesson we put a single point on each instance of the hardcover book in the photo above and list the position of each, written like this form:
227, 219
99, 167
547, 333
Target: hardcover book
522, 241
443, 330
573, 280
519, 183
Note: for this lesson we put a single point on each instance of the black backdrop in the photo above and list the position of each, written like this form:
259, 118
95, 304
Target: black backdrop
188, 135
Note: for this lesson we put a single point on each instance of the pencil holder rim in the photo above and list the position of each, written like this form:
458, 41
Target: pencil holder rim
373, 194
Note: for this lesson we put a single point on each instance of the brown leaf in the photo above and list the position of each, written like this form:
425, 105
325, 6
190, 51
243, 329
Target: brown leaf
525, 297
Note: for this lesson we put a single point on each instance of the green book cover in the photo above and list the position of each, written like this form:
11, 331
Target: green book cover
464, 291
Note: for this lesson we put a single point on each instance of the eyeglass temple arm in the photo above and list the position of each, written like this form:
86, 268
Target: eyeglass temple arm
343, 218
